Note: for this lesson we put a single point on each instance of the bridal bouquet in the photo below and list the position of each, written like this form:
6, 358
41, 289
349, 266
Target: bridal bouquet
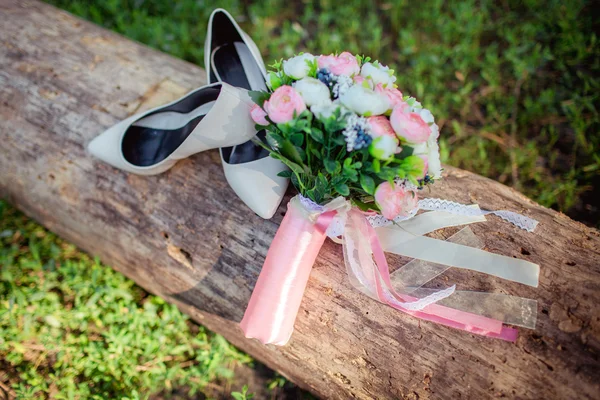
358, 152
344, 129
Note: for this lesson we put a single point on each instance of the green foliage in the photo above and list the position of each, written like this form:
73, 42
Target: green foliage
243, 395
514, 85
73, 328
321, 168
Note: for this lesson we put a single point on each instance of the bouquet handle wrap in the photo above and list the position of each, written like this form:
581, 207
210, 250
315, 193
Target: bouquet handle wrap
276, 298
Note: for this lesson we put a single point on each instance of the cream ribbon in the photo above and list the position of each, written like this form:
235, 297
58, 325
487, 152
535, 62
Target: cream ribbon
432, 257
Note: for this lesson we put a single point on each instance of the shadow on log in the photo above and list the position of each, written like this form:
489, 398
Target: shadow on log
185, 236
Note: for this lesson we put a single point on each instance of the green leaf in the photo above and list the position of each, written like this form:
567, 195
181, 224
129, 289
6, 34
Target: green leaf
342, 189
295, 182
387, 174
316, 153
317, 135
412, 166
302, 153
296, 168
367, 183
349, 170
297, 139
338, 140
365, 206
285, 173
313, 68
332, 166
289, 151
259, 97
406, 151
274, 80
274, 140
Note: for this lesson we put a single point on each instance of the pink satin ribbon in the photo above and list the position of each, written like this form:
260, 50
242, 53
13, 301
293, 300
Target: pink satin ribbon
278, 293
276, 298
469, 322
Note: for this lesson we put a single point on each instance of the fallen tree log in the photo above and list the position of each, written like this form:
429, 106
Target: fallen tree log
184, 235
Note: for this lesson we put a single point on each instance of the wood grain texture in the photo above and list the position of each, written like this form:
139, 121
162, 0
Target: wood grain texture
185, 236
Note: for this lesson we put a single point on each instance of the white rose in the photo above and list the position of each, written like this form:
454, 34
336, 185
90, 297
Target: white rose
365, 101
420, 149
297, 67
313, 91
435, 134
323, 112
378, 74
383, 147
435, 166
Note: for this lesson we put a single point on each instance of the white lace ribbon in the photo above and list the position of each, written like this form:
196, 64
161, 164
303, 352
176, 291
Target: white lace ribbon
336, 228
453, 207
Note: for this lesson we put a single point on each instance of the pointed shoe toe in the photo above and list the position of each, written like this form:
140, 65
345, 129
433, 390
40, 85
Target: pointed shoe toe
256, 183
107, 145
151, 142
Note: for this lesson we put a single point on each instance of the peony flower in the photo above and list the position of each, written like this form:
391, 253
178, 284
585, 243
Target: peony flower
364, 101
383, 147
297, 67
409, 126
393, 95
380, 126
435, 133
378, 73
395, 200
344, 64
323, 112
426, 115
258, 115
283, 103
313, 91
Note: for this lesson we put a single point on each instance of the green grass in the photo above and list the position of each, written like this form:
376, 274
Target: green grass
514, 86
72, 328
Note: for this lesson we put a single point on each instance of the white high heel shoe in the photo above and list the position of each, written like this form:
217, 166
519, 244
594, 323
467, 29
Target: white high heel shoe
231, 56
151, 142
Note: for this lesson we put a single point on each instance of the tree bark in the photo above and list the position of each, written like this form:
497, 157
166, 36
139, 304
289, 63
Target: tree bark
185, 236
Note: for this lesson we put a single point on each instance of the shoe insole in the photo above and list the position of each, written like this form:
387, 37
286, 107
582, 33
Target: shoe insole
156, 136
234, 64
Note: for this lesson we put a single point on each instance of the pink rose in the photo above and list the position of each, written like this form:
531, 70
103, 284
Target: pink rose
411, 201
409, 126
395, 200
393, 95
381, 126
258, 115
344, 64
283, 103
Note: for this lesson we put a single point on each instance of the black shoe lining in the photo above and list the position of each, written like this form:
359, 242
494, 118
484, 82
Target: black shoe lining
231, 70
147, 146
